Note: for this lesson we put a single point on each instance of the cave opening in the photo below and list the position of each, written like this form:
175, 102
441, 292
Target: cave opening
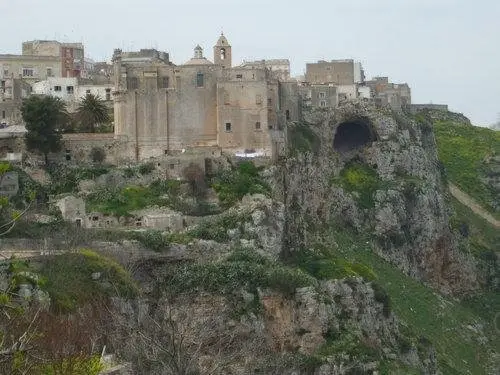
353, 134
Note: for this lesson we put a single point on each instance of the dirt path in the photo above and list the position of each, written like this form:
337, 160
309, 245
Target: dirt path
466, 200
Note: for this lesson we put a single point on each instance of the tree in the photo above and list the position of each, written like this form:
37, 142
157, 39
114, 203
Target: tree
91, 112
45, 117
98, 155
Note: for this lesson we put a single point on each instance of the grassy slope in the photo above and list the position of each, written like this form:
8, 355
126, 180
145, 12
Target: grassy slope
463, 149
442, 320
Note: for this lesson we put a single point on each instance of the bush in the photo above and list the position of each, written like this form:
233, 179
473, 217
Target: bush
226, 277
152, 239
97, 155
381, 295
232, 185
147, 168
362, 179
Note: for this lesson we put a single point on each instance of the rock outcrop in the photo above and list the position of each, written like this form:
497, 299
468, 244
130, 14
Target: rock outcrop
382, 178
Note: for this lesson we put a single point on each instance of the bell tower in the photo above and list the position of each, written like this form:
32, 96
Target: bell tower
222, 52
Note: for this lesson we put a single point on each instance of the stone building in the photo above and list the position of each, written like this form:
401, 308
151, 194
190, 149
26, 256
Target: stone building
70, 55
322, 96
161, 107
279, 67
336, 72
12, 92
384, 93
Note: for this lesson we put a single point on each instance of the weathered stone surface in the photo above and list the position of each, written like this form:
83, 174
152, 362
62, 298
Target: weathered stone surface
409, 218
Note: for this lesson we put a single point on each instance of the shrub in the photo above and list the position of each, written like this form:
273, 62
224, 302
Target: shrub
147, 168
381, 295
152, 239
232, 185
226, 277
97, 155
362, 179
302, 138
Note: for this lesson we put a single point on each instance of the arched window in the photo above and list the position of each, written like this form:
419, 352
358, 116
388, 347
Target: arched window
222, 53
199, 79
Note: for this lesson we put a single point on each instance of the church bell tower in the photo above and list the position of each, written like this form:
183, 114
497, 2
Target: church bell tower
222, 52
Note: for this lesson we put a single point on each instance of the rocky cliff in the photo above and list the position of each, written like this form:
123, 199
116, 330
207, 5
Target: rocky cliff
376, 173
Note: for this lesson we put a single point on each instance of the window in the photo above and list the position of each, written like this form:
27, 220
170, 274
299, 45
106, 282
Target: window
108, 94
322, 103
165, 152
95, 218
269, 101
222, 53
57, 88
163, 83
49, 72
258, 99
171, 166
27, 72
257, 125
199, 80
287, 115
321, 95
70, 89
5, 72
133, 83
239, 75
68, 155
3, 114
228, 126
87, 91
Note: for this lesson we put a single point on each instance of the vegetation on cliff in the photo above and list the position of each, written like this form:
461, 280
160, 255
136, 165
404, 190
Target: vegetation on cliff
470, 155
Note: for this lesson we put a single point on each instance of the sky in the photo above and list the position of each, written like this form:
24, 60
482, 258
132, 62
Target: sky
448, 51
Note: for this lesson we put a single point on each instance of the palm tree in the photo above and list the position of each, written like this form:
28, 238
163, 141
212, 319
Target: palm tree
91, 112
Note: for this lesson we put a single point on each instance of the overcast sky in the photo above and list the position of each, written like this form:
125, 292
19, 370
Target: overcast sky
448, 51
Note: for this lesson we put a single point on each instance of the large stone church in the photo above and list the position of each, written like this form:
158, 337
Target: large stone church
161, 107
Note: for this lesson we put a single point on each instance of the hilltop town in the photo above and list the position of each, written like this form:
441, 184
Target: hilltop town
206, 105
233, 219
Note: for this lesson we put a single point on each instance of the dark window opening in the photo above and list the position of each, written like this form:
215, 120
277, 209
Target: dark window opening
70, 89
3, 114
257, 125
165, 152
269, 101
199, 80
164, 82
228, 126
239, 75
95, 218
133, 83
172, 166
57, 88
108, 94
78, 222
351, 135
287, 115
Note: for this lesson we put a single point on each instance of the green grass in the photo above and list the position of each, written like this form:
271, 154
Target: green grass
243, 268
442, 320
66, 179
480, 235
130, 198
463, 150
362, 179
232, 185
68, 279
302, 138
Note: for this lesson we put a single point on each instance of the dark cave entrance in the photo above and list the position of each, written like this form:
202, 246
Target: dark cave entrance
353, 134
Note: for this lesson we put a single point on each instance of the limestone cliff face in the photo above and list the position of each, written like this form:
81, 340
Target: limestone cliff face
208, 336
375, 172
